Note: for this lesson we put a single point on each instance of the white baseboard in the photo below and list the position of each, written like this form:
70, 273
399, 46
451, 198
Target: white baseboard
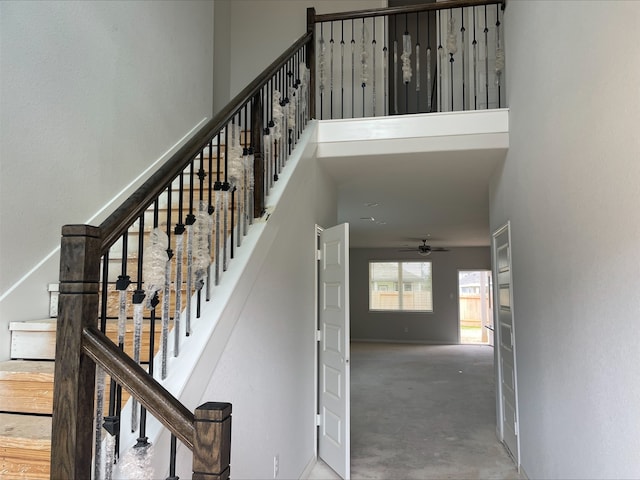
411, 342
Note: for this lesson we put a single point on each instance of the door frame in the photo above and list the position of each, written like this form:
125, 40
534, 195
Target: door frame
333, 404
316, 343
489, 310
496, 350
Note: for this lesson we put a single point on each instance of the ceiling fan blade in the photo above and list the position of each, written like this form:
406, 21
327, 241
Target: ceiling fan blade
439, 249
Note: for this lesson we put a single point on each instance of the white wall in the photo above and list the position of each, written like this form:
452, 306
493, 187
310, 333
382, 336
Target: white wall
222, 54
441, 326
570, 188
262, 29
267, 369
92, 94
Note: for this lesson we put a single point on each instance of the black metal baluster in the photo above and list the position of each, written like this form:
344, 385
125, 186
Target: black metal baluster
233, 205
462, 32
142, 440
104, 293
238, 184
417, 62
331, 71
190, 220
296, 95
172, 459
395, 64
283, 149
373, 70
138, 297
451, 59
385, 68
353, 67
342, 70
121, 285
201, 207
225, 188
219, 206
499, 53
210, 211
179, 231
429, 86
331, 46
276, 143
290, 100
475, 62
247, 187
486, 57
406, 84
166, 295
100, 375
323, 66
440, 68
269, 162
300, 123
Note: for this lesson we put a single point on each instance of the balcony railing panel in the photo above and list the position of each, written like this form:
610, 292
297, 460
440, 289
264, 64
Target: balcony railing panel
438, 57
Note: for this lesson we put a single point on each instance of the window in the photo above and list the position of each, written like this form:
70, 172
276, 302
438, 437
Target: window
385, 279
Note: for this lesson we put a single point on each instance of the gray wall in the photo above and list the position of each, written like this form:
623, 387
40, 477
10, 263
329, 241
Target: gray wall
92, 94
262, 29
441, 326
569, 185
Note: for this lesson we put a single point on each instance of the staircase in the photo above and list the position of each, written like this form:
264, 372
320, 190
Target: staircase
26, 380
26, 393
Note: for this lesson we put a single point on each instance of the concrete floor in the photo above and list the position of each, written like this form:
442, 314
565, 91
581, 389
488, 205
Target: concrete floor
423, 412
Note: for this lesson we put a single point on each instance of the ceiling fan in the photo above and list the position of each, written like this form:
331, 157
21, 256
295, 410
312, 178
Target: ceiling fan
424, 249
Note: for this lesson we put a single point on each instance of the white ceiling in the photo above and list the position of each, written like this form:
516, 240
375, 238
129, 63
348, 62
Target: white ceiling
440, 194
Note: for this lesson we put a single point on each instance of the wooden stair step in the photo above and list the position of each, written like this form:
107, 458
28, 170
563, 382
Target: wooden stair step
25, 446
36, 339
26, 386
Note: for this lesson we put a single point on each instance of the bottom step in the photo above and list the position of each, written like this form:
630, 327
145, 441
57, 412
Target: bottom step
25, 446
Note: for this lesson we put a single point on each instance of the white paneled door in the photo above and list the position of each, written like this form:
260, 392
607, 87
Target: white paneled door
334, 397
505, 341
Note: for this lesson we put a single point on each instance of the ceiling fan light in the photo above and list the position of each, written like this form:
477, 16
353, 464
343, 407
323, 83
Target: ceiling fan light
424, 253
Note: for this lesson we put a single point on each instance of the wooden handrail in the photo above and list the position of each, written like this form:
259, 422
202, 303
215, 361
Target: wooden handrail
114, 226
134, 379
425, 7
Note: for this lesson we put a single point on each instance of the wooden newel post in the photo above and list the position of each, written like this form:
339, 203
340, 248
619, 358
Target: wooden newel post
74, 381
311, 60
212, 442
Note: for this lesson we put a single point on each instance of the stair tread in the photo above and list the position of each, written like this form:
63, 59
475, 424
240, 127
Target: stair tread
33, 428
49, 324
46, 324
25, 368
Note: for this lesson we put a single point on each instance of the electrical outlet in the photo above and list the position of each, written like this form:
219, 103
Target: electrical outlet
276, 465
406, 329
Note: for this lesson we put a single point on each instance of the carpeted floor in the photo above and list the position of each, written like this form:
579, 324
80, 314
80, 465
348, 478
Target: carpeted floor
423, 412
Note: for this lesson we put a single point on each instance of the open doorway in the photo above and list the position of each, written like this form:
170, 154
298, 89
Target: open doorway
475, 311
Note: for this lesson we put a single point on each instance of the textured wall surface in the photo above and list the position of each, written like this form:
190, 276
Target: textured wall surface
92, 94
570, 188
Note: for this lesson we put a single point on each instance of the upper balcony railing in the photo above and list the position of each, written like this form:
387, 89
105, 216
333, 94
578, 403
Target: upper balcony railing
153, 261
437, 57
